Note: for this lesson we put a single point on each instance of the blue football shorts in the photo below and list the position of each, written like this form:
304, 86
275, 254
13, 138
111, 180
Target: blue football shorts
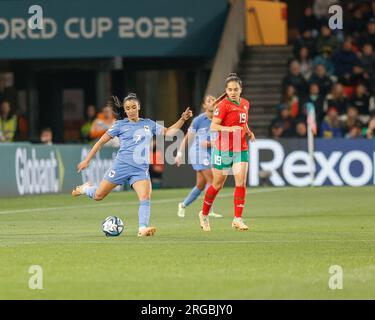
120, 172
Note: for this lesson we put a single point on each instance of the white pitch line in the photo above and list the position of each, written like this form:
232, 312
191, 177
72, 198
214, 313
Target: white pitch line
224, 195
4, 244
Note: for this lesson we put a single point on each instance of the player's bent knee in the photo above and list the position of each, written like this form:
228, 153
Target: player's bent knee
218, 186
201, 186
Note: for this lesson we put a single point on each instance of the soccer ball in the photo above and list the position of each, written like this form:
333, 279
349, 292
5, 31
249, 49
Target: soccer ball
112, 226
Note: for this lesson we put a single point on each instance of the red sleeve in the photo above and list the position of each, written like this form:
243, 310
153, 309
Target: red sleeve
221, 110
247, 106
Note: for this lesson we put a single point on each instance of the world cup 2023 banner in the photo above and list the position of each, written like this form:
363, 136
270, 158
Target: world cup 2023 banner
111, 28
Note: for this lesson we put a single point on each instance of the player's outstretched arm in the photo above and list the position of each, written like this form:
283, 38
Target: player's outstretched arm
171, 131
250, 133
97, 146
188, 139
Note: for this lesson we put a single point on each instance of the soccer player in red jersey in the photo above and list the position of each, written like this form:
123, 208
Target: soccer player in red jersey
230, 151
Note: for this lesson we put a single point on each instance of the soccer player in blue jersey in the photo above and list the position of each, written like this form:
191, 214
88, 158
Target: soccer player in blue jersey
199, 154
132, 160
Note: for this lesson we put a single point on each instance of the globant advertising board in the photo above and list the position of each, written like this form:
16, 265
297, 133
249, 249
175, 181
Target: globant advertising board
36, 169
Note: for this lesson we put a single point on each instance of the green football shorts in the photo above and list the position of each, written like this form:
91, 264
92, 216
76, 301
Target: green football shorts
223, 160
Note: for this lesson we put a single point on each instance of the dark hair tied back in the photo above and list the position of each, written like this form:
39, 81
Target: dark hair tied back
131, 96
117, 108
233, 77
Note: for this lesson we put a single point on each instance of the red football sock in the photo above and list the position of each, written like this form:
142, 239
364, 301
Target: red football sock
209, 198
239, 201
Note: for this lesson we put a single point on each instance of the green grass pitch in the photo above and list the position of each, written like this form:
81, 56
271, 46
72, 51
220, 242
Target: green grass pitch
296, 235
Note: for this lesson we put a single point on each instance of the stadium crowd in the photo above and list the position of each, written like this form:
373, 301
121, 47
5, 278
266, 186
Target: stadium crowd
335, 71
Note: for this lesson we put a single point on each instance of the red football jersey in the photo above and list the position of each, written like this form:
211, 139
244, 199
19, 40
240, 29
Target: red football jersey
232, 114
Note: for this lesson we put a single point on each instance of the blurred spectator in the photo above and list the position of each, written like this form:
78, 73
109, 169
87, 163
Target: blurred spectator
7, 93
345, 59
317, 100
355, 132
305, 62
86, 127
8, 122
369, 36
336, 99
358, 76
22, 132
291, 100
306, 40
368, 59
309, 21
295, 78
330, 127
301, 129
349, 119
361, 99
326, 40
321, 78
321, 7
325, 58
366, 10
357, 24
276, 129
102, 123
283, 124
156, 165
46, 136
370, 131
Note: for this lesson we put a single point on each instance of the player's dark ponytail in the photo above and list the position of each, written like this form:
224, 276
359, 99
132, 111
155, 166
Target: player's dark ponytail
233, 77
117, 108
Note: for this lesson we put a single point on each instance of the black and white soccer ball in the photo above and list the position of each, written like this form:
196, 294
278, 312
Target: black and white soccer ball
112, 226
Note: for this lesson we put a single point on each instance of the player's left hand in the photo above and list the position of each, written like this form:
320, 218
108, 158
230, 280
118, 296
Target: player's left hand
251, 135
82, 166
187, 114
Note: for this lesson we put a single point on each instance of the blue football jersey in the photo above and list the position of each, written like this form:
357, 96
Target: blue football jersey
201, 127
135, 139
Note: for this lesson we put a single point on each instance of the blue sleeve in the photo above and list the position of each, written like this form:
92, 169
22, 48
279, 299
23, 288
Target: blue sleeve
195, 124
114, 131
156, 129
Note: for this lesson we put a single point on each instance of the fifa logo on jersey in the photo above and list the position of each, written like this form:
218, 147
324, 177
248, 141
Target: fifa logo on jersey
216, 112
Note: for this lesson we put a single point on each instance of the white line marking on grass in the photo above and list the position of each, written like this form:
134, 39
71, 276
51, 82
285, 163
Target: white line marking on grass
224, 195
184, 241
